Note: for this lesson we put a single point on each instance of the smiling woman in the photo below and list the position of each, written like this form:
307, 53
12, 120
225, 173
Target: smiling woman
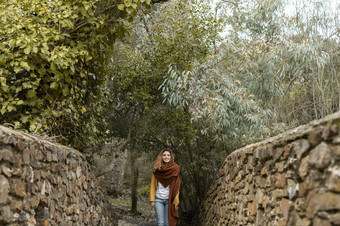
166, 157
164, 188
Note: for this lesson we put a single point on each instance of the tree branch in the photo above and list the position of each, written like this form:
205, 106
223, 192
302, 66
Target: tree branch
159, 1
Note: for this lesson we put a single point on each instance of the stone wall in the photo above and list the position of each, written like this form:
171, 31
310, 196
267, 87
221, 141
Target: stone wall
43, 183
290, 179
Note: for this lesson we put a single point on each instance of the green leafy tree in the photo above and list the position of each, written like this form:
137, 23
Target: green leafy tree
177, 33
53, 57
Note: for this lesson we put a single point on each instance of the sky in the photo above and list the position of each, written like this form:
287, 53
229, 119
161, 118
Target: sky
333, 4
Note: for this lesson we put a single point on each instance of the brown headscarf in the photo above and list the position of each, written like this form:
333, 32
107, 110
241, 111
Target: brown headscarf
169, 175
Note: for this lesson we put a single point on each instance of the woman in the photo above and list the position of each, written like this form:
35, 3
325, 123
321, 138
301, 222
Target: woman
164, 189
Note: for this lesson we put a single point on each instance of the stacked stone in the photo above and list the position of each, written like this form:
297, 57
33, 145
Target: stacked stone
291, 179
42, 183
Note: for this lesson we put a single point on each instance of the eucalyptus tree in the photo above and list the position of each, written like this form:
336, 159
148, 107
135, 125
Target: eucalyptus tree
285, 54
312, 90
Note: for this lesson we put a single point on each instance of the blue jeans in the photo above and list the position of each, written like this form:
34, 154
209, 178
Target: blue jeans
161, 208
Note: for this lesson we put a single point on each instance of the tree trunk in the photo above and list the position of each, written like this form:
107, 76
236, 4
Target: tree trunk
134, 182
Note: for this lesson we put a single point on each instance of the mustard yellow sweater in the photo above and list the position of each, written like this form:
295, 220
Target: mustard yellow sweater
153, 190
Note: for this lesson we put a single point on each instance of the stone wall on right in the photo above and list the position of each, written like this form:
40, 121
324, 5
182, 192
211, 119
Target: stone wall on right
290, 179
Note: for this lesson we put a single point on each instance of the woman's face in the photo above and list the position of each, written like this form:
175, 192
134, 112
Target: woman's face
166, 157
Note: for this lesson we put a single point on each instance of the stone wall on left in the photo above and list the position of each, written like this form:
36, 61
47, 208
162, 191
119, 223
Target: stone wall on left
43, 183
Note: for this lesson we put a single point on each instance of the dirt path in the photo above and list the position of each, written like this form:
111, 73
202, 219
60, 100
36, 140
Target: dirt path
124, 223
145, 215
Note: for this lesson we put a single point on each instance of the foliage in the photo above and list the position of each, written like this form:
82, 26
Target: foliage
265, 65
53, 56
141, 62
285, 64
312, 90
249, 19
138, 68
219, 107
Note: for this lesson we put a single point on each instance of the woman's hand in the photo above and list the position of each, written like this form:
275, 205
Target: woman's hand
152, 204
176, 206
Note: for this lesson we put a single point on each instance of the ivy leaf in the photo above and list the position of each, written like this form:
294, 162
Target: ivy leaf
66, 91
129, 10
54, 85
25, 65
11, 108
121, 6
32, 126
24, 119
42, 71
26, 85
18, 89
27, 50
31, 93
17, 69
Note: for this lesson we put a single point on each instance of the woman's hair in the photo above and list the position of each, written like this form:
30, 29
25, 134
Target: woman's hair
159, 161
